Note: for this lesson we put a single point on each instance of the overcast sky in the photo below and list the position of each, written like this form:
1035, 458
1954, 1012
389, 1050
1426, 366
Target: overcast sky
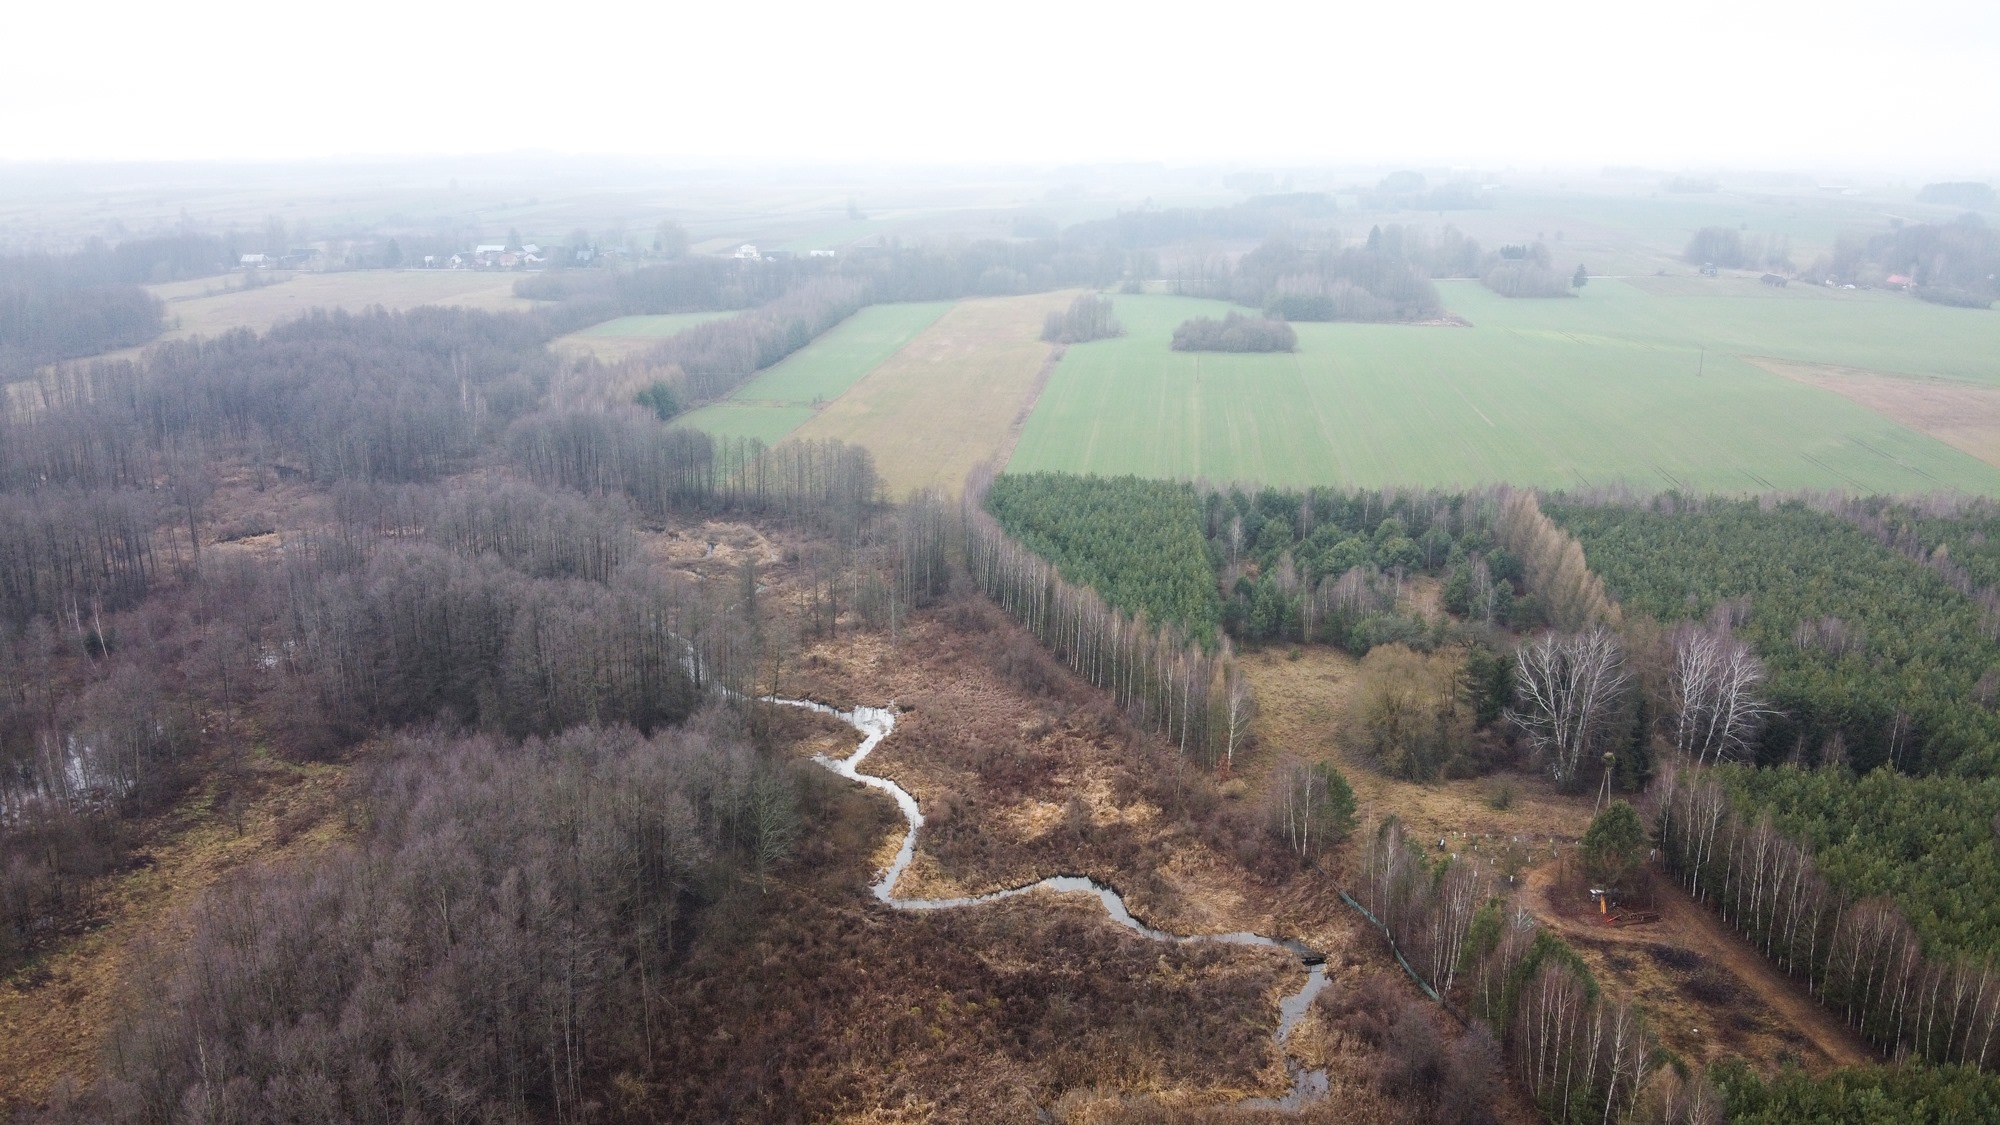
1909, 87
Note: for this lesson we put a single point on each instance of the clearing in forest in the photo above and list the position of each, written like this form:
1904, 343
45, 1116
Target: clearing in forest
627, 336
203, 307
1709, 991
945, 402
784, 395
1619, 386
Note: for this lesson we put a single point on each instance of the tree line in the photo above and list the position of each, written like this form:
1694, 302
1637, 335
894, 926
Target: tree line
826, 485
52, 309
1582, 1056
1168, 682
1859, 955
1950, 263
1234, 333
1874, 658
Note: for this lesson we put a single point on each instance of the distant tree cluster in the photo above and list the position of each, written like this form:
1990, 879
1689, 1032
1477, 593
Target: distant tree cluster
1527, 279
54, 309
1234, 333
1256, 218
1297, 279
686, 284
1730, 248
1089, 317
1970, 194
1409, 191
1952, 263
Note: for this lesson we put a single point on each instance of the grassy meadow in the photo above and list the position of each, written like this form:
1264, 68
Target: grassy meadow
1622, 385
628, 336
785, 395
950, 398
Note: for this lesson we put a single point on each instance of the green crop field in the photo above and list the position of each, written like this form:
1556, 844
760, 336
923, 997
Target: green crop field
768, 424
655, 327
1620, 386
782, 397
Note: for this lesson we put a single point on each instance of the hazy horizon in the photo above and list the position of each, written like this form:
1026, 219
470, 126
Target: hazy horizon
1831, 88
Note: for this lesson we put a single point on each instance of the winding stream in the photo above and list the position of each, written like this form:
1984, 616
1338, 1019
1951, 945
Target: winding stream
875, 724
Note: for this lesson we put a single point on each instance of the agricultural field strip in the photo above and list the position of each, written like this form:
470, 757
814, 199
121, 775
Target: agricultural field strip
946, 400
1512, 399
783, 397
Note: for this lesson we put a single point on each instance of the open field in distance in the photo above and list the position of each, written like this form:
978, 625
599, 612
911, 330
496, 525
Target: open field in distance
628, 336
1617, 386
949, 398
782, 397
203, 307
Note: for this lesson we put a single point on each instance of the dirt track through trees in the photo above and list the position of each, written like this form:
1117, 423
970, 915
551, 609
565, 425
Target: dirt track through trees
1766, 996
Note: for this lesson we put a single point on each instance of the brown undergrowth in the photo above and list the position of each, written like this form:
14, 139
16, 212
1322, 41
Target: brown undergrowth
1023, 773
56, 1011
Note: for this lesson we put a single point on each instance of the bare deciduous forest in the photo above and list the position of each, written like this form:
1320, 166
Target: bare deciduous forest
401, 720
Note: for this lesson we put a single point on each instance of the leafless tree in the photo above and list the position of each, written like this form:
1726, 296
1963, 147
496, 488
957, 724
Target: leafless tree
1240, 705
1569, 686
1715, 680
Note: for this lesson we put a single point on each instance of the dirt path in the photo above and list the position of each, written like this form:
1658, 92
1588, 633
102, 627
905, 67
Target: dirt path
1701, 1013
1710, 993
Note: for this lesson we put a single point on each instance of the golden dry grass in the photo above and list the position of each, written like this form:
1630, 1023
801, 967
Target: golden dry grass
1301, 704
198, 308
949, 398
55, 1014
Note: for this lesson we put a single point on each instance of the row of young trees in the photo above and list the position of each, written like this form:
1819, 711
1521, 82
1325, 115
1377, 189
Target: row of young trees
1165, 680
1582, 1056
710, 360
1860, 956
1138, 543
826, 485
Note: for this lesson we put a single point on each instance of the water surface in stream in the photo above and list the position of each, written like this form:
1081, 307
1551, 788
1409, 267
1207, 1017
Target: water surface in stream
876, 723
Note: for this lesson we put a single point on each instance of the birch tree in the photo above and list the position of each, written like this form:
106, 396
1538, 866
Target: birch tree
1715, 680
1568, 687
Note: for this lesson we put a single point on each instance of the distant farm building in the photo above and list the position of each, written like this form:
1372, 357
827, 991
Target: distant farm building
1898, 281
821, 253
748, 253
254, 261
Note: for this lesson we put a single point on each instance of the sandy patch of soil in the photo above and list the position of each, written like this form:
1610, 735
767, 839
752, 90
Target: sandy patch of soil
1964, 416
